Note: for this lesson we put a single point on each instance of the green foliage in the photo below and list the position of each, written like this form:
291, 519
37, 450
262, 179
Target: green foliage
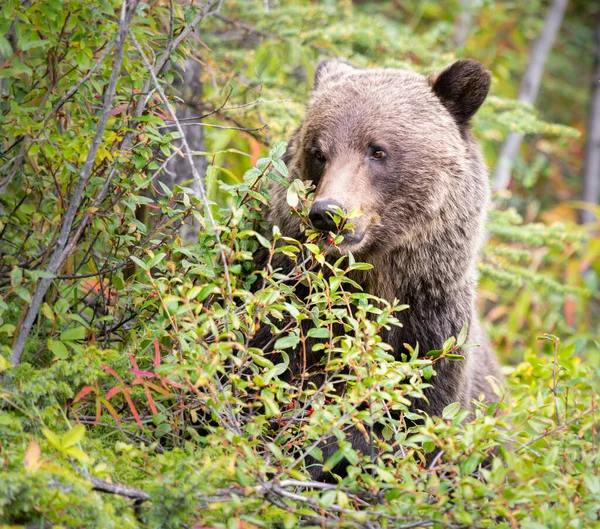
139, 369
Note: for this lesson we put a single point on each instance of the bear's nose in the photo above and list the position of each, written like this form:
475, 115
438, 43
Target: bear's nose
321, 215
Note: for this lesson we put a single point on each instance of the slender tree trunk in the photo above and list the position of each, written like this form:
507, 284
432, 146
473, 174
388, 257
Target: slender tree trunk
591, 171
530, 86
178, 170
463, 22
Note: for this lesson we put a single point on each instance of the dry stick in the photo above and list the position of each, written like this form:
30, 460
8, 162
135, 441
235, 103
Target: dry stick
121, 490
190, 159
57, 255
529, 89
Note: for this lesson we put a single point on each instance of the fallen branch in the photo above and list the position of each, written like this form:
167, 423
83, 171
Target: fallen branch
132, 493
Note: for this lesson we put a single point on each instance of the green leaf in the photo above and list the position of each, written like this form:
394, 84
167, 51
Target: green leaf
320, 332
333, 461
59, 349
278, 150
360, 266
281, 167
52, 438
327, 498
462, 336
313, 248
73, 436
7, 329
292, 197
451, 410
77, 453
448, 344
47, 311
427, 372
156, 259
316, 453
271, 408
5, 48
263, 242
76, 333
139, 262
287, 341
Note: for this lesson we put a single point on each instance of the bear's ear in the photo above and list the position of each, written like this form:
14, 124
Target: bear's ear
462, 87
330, 71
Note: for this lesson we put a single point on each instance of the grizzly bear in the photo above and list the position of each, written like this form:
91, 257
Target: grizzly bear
397, 147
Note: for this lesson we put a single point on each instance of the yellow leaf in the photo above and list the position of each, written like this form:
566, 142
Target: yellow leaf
53, 438
73, 436
32, 454
78, 454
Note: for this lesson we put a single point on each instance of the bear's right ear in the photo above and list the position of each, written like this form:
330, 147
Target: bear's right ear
462, 87
330, 71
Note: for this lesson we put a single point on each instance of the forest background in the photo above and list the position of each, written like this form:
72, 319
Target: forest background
129, 396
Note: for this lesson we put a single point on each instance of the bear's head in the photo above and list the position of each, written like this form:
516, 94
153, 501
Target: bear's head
394, 146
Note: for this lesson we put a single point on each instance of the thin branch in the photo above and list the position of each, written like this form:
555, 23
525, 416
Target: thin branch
557, 429
58, 254
190, 159
118, 489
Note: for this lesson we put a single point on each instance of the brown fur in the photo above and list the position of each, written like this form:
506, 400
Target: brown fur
422, 207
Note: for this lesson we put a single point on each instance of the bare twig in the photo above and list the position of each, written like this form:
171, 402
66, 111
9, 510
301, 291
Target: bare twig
189, 157
127, 11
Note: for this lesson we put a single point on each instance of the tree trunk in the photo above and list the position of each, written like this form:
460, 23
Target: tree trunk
178, 171
530, 86
591, 171
463, 22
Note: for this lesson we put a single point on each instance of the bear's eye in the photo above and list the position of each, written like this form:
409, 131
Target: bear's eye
377, 153
319, 156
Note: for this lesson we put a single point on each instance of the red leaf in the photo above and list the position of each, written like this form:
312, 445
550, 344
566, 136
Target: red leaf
133, 409
143, 373
133, 362
85, 391
119, 109
169, 381
150, 400
111, 371
113, 391
570, 308
156, 353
